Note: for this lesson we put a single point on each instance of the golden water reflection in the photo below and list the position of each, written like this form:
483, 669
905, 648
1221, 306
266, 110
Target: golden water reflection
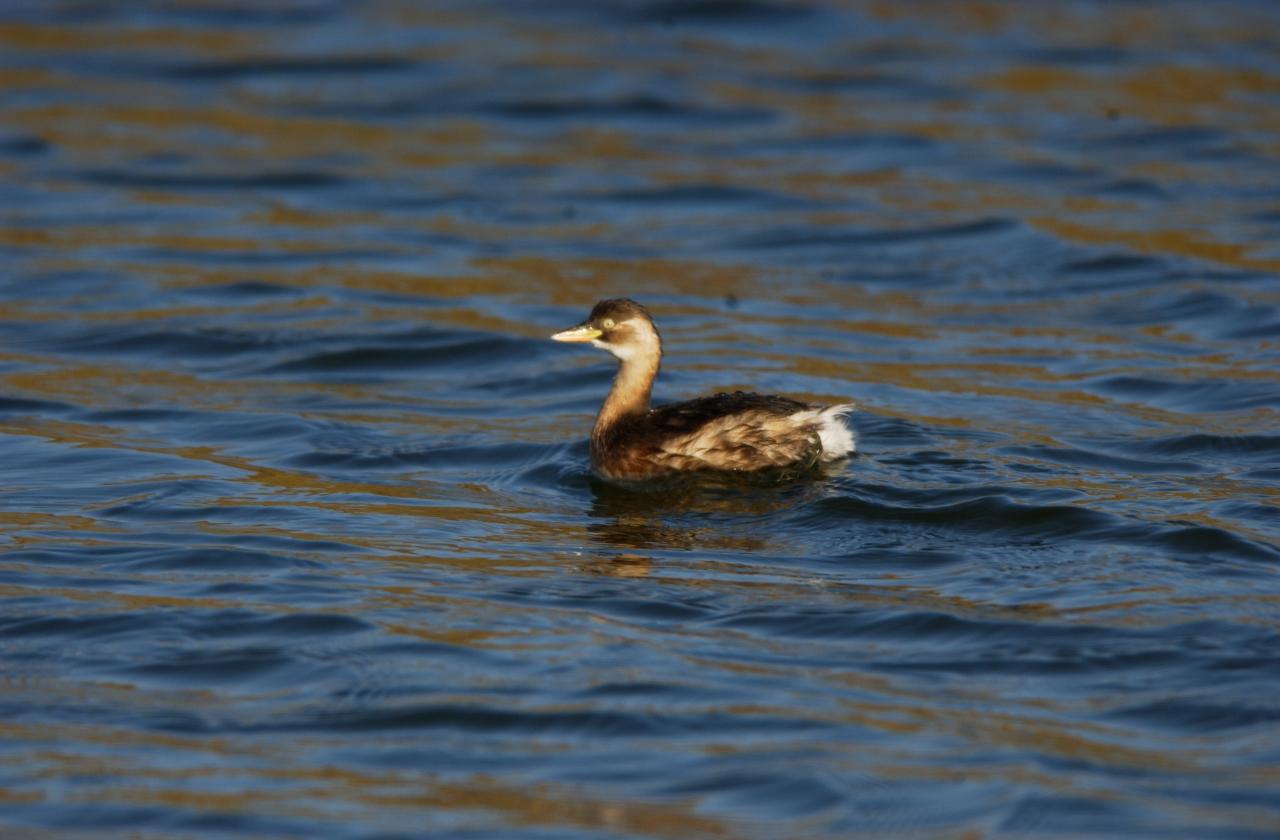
1031, 242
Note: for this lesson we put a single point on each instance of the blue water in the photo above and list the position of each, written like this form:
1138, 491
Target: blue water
298, 533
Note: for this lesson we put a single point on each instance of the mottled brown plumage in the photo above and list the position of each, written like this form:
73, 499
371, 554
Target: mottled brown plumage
737, 432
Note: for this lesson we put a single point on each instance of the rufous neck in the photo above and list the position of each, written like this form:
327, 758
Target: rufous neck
630, 393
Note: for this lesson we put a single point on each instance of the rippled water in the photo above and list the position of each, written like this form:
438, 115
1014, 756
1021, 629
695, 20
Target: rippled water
299, 538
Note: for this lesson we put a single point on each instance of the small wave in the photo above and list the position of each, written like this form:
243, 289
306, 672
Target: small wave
1217, 314
1201, 543
95, 627
646, 689
478, 719
1206, 445
845, 623
245, 14
1132, 188
758, 794
893, 431
898, 85
589, 384
997, 518
1079, 56
1270, 329
140, 416
1112, 263
628, 108
257, 664
19, 405
1103, 461
723, 12
398, 358
1168, 138
25, 145
1205, 397
243, 624
272, 258
897, 559
1191, 305
847, 144
220, 624
172, 559
245, 290
456, 456
324, 65
1202, 716
296, 180
783, 239
692, 195
198, 343
989, 514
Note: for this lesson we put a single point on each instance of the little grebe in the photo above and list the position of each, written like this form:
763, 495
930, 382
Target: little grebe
738, 432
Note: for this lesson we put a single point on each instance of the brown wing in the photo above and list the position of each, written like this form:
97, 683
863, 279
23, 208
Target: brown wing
688, 416
738, 431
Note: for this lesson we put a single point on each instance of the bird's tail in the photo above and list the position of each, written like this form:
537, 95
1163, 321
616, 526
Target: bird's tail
837, 437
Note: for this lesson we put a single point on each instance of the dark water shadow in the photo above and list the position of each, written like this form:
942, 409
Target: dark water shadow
717, 511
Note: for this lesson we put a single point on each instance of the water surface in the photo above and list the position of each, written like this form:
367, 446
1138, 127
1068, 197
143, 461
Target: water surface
298, 533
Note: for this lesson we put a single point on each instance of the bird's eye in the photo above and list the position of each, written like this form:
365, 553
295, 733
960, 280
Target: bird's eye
607, 323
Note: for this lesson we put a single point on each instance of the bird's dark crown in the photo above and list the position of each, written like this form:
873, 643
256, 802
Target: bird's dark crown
618, 309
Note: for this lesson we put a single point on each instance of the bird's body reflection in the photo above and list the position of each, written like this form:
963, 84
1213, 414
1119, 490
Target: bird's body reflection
632, 522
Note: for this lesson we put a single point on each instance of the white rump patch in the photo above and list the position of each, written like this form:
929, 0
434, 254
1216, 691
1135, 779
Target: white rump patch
836, 436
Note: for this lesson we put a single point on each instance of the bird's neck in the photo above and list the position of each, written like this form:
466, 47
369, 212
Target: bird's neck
630, 393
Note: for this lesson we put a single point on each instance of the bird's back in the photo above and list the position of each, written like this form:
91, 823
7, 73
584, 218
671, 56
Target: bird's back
735, 432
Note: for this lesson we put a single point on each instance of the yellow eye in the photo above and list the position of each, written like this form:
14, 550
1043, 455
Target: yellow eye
607, 323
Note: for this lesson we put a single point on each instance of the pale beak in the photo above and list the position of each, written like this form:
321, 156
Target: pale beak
583, 332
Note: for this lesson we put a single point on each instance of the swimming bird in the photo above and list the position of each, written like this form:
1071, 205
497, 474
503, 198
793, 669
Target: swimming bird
738, 432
